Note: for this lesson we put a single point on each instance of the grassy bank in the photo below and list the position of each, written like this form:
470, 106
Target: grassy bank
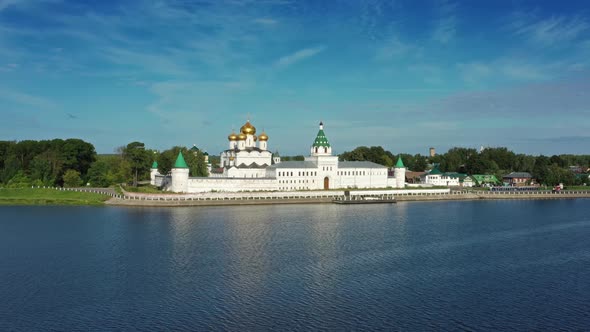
28, 196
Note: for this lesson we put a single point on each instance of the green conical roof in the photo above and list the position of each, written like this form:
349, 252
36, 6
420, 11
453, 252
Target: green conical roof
321, 139
180, 163
155, 165
400, 163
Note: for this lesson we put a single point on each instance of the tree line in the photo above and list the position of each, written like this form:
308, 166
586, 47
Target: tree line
497, 161
74, 162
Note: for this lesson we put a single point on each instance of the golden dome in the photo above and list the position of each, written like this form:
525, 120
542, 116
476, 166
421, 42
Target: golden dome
241, 137
248, 129
231, 158
263, 137
232, 136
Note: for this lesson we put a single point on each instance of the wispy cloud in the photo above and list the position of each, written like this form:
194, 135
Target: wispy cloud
26, 99
265, 21
393, 48
548, 31
473, 72
431, 74
445, 27
298, 56
5, 4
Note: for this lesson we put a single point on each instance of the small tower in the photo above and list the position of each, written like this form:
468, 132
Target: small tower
180, 175
399, 173
242, 141
153, 173
321, 146
263, 141
233, 140
276, 158
432, 152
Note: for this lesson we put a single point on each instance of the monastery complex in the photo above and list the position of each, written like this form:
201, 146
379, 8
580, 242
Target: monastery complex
248, 165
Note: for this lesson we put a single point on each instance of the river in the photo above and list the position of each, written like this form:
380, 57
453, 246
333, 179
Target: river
471, 265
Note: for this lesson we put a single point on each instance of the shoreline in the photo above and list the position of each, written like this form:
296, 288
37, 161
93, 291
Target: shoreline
325, 200
108, 197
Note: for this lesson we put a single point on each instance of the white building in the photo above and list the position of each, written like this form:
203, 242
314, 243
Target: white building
437, 178
248, 166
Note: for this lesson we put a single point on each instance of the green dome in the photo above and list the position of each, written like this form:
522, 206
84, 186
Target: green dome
400, 163
180, 163
155, 165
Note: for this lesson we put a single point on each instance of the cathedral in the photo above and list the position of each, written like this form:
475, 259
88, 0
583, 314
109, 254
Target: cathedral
248, 165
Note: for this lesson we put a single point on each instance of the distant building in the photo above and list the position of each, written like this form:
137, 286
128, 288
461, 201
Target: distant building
432, 152
248, 165
576, 169
485, 180
413, 177
518, 179
437, 178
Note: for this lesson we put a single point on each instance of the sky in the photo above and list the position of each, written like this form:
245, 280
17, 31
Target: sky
405, 75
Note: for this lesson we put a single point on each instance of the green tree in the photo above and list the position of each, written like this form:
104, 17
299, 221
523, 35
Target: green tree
41, 170
139, 159
72, 179
19, 180
195, 161
99, 174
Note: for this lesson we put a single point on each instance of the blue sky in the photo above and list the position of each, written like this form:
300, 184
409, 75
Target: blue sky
405, 75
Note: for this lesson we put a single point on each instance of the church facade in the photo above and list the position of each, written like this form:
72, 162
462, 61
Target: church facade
248, 165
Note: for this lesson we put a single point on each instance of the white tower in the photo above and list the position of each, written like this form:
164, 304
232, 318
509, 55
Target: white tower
276, 158
263, 141
233, 140
153, 173
399, 172
321, 146
242, 141
180, 175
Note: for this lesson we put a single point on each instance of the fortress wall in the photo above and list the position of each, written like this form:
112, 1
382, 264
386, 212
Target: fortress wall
201, 185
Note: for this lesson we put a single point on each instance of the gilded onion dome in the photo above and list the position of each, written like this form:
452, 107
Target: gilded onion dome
232, 136
263, 137
241, 137
248, 129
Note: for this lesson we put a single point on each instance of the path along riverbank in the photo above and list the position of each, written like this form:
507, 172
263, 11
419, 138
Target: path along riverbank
259, 198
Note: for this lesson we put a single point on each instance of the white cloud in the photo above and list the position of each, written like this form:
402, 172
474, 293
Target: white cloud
300, 55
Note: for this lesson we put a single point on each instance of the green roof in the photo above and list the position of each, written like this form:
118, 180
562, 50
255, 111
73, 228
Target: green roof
400, 163
321, 140
485, 178
435, 171
155, 165
180, 163
194, 148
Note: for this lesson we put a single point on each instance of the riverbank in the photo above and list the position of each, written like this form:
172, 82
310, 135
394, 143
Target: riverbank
328, 199
50, 196
98, 197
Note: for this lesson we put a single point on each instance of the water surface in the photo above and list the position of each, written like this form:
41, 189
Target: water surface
491, 265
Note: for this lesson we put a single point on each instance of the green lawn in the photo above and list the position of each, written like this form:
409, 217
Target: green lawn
28, 196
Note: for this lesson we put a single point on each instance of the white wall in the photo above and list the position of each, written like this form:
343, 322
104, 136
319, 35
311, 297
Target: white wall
207, 184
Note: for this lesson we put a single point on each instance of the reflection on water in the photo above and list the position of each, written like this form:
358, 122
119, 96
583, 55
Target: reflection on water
506, 265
